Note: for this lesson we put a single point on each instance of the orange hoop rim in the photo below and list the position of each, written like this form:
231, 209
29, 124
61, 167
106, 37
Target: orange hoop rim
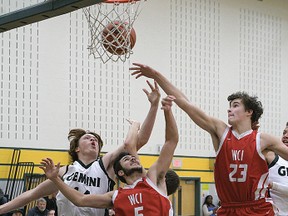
119, 1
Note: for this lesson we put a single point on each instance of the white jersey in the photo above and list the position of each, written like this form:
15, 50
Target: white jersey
87, 179
278, 172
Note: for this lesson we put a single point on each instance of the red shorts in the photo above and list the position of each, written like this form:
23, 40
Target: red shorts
253, 208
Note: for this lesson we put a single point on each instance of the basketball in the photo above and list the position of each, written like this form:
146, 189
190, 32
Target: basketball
117, 38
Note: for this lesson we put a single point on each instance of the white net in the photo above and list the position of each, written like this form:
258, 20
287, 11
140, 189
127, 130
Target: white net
110, 26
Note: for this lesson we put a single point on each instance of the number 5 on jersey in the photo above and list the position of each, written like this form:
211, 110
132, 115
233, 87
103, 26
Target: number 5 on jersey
137, 211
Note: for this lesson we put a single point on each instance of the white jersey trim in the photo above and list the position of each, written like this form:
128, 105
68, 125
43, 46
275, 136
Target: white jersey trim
258, 146
222, 139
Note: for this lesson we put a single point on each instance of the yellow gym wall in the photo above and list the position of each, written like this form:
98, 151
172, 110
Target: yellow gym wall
185, 166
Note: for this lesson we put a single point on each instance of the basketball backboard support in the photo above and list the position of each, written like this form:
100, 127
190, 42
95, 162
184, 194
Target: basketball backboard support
40, 11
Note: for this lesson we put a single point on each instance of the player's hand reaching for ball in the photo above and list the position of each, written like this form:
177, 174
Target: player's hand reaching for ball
142, 70
154, 95
51, 171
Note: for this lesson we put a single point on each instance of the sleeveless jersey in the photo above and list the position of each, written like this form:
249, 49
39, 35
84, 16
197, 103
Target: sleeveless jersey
142, 198
241, 172
89, 179
278, 172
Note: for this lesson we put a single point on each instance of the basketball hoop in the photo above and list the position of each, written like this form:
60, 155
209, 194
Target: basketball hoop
117, 13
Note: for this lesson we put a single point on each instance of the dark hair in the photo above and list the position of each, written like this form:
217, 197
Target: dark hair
286, 124
18, 211
172, 181
117, 166
206, 202
250, 103
74, 136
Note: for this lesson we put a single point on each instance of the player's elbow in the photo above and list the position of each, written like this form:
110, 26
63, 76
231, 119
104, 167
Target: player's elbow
173, 139
176, 138
80, 202
171, 144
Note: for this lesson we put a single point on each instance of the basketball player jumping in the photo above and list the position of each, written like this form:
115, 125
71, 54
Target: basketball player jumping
88, 174
241, 172
145, 193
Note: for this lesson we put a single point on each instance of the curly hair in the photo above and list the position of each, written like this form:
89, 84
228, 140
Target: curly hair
172, 181
250, 103
74, 137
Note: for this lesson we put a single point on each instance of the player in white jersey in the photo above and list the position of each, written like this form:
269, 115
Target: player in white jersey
88, 179
145, 193
278, 176
88, 173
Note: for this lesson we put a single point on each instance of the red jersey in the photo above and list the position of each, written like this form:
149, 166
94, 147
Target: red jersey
241, 172
142, 198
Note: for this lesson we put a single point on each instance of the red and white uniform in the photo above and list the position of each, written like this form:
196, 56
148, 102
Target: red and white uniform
241, 175
142, 198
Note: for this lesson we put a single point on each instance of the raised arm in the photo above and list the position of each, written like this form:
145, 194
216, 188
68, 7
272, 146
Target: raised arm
77, 198
130, 144
147, 126
145, 130
212, 125
158, 170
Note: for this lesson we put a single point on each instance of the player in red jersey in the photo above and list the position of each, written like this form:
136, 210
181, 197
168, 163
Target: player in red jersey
241, 173
145, 193
90, 174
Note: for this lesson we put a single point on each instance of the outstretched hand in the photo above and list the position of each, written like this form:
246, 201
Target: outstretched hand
142, 70
167, 102
154, 95
51, 171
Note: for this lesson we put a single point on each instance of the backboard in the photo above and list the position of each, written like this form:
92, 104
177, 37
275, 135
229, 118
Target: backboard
14, 14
